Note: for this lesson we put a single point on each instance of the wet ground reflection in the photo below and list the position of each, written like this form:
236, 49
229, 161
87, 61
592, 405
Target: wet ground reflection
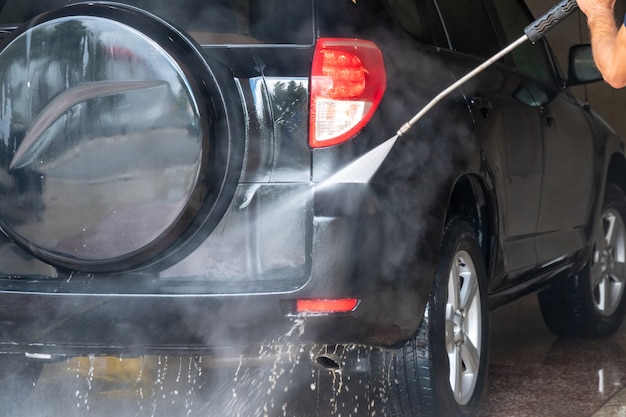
532, 373
191, 386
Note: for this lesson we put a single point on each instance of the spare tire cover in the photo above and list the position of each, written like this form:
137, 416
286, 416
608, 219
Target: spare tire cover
114, 147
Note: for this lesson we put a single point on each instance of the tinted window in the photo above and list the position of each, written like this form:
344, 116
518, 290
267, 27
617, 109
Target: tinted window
420, 19
246, 21
531, 59
469, 27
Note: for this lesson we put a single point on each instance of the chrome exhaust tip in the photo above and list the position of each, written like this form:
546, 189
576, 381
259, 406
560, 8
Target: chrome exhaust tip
348, 359
328, 362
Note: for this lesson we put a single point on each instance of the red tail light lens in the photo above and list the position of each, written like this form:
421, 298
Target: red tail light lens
326, 306
348, 81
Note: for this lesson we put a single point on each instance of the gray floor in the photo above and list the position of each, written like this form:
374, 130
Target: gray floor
532, 373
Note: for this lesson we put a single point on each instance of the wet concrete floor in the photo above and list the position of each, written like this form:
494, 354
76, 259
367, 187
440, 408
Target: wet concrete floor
532, 373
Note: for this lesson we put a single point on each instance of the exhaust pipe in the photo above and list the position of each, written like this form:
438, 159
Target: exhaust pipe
329, 362
343, 359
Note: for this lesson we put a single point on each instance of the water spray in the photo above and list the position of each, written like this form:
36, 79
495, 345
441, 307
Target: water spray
363, 168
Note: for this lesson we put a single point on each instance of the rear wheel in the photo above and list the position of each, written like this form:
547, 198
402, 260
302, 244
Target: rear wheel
591, 303
442, 370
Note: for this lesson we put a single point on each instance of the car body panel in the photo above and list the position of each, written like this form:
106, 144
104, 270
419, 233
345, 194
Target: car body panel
510, 149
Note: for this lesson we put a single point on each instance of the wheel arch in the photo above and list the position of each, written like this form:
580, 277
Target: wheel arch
469, 199
616, 172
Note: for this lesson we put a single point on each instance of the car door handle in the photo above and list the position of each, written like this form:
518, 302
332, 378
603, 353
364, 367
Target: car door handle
548, 116
482, 104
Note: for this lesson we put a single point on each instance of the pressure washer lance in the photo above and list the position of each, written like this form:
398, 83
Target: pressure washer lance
362, 169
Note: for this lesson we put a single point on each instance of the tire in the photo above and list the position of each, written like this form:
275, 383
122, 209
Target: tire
591, 303
442, 370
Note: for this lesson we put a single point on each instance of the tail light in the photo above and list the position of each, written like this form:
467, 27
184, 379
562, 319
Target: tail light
326, 306
348, 81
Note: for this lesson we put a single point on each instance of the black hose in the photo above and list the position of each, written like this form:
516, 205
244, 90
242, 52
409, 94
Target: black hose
537, 29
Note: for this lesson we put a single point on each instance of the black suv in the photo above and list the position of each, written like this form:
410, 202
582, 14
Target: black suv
168, 182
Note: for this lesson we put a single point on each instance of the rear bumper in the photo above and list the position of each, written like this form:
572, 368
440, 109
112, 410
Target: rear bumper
222, 326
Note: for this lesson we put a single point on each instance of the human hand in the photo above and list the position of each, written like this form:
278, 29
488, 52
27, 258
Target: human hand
592, 8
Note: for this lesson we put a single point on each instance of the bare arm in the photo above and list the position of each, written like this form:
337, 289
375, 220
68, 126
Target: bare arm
608, 41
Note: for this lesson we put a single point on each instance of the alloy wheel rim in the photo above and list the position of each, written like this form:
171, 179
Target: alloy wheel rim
608, 266
463, 327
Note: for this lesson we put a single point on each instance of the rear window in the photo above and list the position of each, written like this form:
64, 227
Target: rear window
209, 21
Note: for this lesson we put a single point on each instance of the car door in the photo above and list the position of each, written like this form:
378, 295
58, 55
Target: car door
567, 184
508, 127
567, 189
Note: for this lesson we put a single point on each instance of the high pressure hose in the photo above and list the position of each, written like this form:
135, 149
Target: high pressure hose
363, 168
533, 32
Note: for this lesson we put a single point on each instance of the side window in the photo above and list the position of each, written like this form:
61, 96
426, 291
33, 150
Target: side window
468, 27
530, 59
419, 18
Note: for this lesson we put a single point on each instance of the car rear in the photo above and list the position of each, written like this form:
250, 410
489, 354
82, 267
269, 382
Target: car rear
161, 173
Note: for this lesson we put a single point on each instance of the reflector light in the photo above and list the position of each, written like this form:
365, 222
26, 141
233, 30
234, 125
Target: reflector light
348, 81
322, 306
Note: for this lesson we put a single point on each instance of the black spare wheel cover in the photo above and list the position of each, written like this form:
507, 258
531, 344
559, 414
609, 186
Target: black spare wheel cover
116, 146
